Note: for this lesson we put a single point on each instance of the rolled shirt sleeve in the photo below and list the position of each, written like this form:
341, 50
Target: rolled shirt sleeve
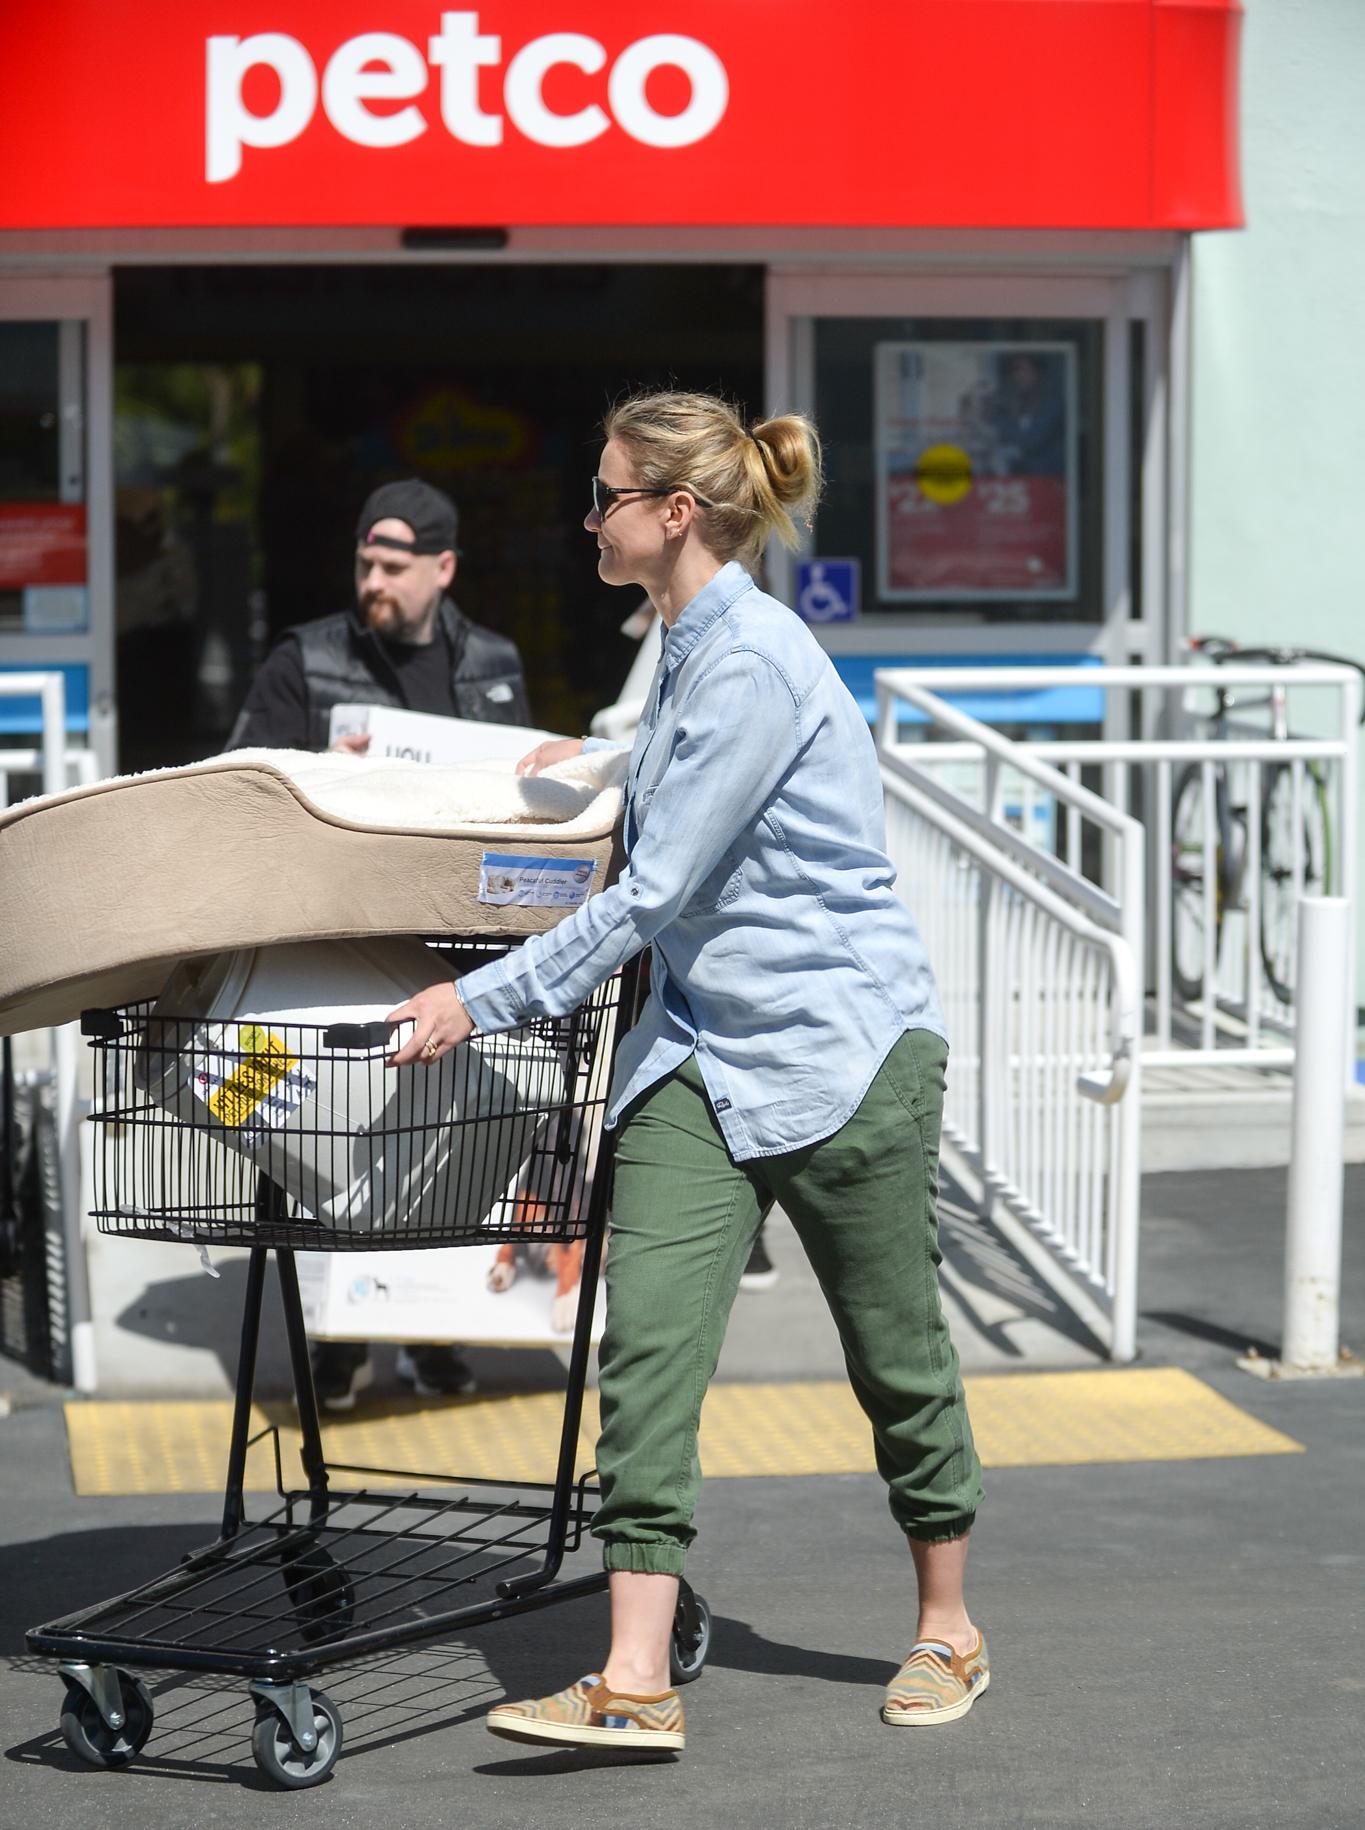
711, 790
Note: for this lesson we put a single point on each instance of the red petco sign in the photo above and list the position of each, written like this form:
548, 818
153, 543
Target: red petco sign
1009, 113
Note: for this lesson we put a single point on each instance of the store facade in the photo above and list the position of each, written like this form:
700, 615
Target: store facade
256, 256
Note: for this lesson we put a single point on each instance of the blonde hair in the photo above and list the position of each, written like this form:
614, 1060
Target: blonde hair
748, 484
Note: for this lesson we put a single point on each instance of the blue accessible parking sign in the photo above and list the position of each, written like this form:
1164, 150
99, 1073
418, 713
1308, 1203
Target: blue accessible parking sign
827, 590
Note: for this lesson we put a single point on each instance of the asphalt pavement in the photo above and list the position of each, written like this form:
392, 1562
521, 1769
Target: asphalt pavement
1172, 1642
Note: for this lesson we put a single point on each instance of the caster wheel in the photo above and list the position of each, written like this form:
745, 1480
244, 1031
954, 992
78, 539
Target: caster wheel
88, 1735
280, 1757
321, 1594
691, 1637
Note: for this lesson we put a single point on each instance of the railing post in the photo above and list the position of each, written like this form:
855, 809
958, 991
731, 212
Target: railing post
65, 1100
1127, 1166
988, 889
66, 1106
885, 733
985, 993
1348, 801
1312, 1253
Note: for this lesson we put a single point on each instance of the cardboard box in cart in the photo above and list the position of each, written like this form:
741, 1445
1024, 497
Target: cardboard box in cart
435, 1295
439, 1295
423, 737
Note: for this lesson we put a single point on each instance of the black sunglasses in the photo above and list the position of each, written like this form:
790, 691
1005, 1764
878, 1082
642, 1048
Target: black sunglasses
604, 494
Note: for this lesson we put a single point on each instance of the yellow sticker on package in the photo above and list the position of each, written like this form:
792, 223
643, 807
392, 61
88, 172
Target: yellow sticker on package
234, 1087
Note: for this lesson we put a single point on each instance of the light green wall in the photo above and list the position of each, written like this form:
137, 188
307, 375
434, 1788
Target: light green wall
1277, 503
1278, 458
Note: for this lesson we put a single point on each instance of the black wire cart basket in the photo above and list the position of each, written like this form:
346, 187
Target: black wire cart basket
289, 1136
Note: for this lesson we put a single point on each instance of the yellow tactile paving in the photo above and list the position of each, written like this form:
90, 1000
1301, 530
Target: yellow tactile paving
1020, 1419
1159, 1413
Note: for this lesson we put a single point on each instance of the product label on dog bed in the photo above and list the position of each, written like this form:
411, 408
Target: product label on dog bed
256, 1089
534, 883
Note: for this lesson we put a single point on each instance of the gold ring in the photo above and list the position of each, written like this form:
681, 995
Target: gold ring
430, 1050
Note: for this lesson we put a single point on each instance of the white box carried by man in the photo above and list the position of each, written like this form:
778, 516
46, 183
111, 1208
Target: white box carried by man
426, 738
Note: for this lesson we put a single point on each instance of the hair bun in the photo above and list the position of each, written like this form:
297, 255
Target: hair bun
791, 451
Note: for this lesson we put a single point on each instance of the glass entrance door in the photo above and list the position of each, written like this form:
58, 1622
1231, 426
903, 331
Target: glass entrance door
55, 511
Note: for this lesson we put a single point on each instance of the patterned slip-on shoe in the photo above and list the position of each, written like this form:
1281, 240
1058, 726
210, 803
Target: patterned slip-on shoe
936, 1684
587, 1714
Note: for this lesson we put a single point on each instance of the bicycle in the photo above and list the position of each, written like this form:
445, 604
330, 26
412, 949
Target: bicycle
1279, 883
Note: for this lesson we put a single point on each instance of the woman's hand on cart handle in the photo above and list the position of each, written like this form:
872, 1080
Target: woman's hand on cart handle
555, 749
439, 1021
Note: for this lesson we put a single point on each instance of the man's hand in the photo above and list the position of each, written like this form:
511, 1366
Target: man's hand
555, 749
440, 1023
352, 743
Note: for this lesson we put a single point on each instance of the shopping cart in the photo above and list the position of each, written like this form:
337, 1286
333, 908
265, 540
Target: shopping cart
296, 1137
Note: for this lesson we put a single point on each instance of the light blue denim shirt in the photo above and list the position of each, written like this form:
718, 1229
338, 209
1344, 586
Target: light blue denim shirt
758, 873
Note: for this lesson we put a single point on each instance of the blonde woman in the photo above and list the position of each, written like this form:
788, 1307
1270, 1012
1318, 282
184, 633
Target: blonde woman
791, 1049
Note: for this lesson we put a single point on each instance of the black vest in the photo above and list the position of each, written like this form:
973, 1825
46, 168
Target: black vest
344, 664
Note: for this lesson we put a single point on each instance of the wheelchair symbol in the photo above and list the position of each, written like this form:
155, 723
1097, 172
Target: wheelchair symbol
821, 600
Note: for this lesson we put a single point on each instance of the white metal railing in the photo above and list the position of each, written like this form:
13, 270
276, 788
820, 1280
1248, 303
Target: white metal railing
1243, 818
81, 768
49, 689
1039, 973
54, 764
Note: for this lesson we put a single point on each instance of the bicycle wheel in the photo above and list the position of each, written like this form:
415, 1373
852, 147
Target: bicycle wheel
1188, 913
1281, 882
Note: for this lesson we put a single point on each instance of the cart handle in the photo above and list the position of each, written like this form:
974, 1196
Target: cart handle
107, 1026
356, 1035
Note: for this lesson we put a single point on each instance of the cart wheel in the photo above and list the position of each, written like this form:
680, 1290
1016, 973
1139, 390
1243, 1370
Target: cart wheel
321, 1594
280, 1757
88, 1735
691, 1637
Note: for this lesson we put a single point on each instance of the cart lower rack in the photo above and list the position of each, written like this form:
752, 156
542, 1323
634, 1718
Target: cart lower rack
334, 1572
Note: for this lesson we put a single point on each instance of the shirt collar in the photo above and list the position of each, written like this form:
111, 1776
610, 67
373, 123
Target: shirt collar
711, 602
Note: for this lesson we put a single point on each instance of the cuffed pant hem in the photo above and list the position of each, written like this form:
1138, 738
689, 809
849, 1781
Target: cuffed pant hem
643, 1559
940, 1534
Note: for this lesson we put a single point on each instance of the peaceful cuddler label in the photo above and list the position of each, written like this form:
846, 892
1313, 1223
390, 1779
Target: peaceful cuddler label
534, 883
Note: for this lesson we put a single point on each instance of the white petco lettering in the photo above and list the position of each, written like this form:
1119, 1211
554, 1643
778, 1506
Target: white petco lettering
382, 66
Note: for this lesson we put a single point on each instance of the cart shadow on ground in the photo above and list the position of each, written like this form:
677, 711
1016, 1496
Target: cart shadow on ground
203, 1723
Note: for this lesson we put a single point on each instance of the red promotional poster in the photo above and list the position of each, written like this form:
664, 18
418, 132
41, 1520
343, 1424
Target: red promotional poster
41, 543
976, 471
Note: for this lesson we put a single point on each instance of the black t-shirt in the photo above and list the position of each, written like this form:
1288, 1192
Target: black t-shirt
424, 671
277, 704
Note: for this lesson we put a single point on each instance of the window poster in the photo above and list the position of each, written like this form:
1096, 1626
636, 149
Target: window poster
41, 543
976, 471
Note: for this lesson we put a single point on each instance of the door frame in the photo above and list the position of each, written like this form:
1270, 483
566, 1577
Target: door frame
1117, 295
86, 381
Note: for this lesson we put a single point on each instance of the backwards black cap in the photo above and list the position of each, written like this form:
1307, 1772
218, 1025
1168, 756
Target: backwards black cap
430, 514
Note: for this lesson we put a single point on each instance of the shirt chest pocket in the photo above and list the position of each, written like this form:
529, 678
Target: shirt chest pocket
719, 888
721, 885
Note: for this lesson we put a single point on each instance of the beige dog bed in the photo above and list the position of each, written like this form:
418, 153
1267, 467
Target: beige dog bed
104, 889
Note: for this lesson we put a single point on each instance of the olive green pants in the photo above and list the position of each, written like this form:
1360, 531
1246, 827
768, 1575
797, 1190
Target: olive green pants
864, 1202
